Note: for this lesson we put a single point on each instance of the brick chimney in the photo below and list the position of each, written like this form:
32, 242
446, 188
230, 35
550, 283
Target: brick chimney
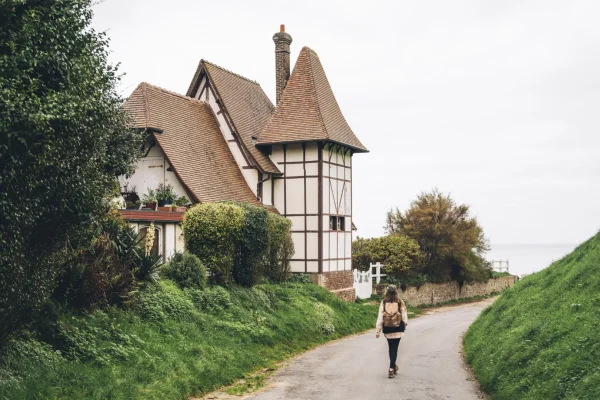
282, 60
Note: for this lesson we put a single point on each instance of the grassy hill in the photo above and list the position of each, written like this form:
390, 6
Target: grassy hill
170, 343
541, 339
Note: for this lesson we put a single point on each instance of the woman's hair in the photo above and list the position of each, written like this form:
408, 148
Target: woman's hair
391, 295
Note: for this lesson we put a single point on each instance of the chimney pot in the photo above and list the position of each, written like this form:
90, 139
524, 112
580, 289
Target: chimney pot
282, 41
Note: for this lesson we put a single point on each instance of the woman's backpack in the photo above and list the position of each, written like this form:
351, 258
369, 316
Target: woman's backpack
391, 320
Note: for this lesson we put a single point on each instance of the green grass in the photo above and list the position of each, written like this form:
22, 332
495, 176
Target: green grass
172, 343
541, 338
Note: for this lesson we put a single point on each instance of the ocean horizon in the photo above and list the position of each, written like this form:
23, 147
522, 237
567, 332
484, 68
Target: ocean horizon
529, 258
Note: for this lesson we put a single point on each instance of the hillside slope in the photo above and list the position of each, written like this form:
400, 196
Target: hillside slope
541, 339
172, 342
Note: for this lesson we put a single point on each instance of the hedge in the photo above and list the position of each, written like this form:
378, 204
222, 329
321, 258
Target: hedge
239, 242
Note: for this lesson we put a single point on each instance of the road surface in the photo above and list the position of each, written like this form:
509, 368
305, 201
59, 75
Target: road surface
431, 366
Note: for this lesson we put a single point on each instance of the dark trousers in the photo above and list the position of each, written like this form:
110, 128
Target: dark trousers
393, 345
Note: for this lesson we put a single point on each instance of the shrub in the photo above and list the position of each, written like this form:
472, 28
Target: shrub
186, 270
400, 255
213, 299
300, 278
252, 246
158, 302
212, 232
280, 249
324, 318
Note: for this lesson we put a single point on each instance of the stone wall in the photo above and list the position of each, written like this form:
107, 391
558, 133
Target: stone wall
431, 293
339, 283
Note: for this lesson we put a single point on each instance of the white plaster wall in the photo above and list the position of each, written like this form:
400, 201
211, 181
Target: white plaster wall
297, 223
326, 245
180, 242
312, 242
294, 170
312, 266
279, 198
266, 191
297, 266
295, 196
170, 240
293, 152
277, 155
312, 152
150, 171
312, 223
312, 195
298, 239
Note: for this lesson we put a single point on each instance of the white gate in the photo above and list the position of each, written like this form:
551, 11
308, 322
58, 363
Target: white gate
363, 283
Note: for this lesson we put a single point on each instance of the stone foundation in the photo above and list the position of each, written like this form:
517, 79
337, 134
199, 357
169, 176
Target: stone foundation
431, 293
340, 283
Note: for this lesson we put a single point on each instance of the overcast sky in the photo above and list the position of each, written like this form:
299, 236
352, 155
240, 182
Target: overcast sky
494, 102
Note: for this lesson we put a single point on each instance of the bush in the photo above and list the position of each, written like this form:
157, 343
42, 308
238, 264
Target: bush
400, 255
186, 270
212, 300
280, 249
109, 268
253, 244
212, 232
239, 242
161, 301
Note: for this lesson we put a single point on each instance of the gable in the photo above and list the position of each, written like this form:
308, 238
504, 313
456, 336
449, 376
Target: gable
245, 103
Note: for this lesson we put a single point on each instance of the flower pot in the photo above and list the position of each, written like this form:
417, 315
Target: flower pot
151, 205
161, 203
180, 209
164, 208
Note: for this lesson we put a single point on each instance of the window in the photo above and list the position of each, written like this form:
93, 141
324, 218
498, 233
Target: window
341, 224
337, 223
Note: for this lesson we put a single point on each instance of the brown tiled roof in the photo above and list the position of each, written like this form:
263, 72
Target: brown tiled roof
308, 110
246, 104
192, 143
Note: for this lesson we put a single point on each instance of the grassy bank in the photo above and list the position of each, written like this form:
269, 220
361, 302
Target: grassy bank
171, 343
540, 339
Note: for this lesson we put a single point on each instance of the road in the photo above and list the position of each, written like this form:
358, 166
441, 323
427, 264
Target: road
431, 366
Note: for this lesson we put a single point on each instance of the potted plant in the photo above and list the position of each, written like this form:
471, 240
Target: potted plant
180, 203
149, 199
165, 195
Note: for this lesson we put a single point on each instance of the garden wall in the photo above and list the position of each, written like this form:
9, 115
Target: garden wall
431, 293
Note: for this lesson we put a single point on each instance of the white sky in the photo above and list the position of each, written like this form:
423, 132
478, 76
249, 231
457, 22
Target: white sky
494, 102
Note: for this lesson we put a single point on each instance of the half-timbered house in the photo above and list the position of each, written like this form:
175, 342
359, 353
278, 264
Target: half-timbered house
225, 140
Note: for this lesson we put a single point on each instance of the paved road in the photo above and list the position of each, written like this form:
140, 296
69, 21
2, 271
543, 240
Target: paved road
431, 366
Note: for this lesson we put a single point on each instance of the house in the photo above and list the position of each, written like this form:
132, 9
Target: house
225, 140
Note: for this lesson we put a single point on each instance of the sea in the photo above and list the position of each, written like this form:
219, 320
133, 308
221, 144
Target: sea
525, 259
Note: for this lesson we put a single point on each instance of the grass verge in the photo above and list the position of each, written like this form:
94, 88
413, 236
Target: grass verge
173, 343
540, 339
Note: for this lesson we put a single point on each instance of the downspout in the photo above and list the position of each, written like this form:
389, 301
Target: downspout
258, 185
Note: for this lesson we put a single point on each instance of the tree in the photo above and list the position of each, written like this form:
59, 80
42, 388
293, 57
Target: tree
400, 255
452, 241
63, 142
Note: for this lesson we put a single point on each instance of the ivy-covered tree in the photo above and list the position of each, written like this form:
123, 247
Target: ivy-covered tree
63, 140
452, 241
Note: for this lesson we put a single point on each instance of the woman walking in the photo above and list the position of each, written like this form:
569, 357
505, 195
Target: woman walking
393, 319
